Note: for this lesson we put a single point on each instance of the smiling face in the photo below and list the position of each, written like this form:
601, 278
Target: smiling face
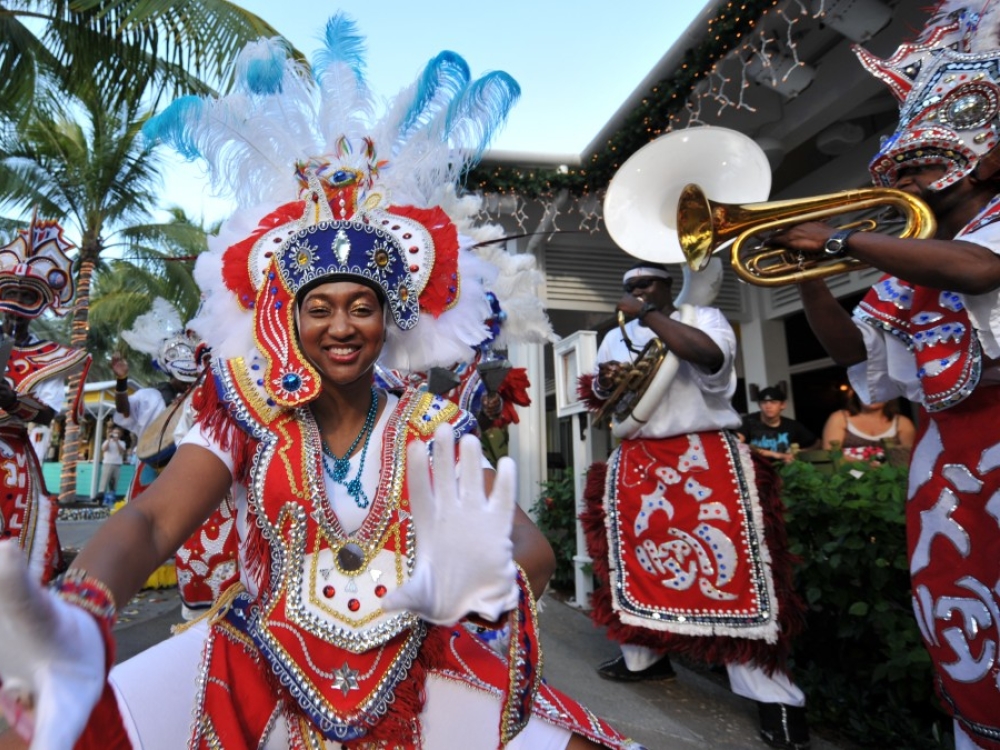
341, 331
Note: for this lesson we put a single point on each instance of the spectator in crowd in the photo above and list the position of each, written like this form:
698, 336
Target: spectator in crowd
861, 425
112, 456
772, 435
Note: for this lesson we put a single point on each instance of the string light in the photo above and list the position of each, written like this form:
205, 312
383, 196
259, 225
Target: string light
737, 36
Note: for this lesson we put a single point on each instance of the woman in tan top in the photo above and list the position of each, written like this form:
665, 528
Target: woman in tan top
861, 425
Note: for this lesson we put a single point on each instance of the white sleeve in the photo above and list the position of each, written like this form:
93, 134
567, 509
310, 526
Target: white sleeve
713, 324
197, 436
144, 405
889, 371
52, 393
984, 309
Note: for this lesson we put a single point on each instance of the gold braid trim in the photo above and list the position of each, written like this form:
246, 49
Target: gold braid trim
218, 608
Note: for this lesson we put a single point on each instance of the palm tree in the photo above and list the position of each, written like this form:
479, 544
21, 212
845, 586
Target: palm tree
96, 178
128, 47
160, 264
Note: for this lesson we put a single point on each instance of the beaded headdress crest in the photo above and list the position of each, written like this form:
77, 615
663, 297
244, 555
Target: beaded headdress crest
331, 185
37, 260
948, 85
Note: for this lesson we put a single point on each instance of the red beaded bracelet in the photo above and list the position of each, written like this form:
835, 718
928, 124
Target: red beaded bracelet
83, 590
77, 587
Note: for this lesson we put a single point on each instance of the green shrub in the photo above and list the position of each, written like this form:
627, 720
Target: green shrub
555, 515
860, 661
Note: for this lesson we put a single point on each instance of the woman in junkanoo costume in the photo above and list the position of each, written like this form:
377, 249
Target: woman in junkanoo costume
386, 587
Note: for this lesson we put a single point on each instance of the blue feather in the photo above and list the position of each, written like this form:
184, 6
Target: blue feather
171, 126
447, 73
483, 108
261, 66
343, 45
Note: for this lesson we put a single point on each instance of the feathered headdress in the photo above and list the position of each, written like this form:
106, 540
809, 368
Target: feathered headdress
328, 183
37, 260
948, 85
160, 334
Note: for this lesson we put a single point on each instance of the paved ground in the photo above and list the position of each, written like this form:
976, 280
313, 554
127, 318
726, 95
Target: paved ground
695, 711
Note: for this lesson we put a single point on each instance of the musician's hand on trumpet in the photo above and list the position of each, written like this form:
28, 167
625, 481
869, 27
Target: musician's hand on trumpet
809, 238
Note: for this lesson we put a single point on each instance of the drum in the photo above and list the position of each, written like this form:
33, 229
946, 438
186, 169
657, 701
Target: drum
156, 444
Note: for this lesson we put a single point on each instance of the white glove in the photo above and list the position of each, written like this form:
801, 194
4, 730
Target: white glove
51, 653
464, 554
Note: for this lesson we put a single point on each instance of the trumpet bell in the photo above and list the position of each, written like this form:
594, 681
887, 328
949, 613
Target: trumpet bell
640, 207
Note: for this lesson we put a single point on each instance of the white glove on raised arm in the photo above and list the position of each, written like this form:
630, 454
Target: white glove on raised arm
464, 554
51, 652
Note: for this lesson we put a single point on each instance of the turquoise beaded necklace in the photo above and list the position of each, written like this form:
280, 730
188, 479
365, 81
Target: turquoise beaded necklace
341, 465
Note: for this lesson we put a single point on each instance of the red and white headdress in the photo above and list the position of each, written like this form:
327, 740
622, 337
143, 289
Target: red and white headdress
948, 85
330, 184
37, 260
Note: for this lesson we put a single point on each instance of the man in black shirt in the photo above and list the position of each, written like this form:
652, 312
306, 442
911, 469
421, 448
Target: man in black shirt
772, 435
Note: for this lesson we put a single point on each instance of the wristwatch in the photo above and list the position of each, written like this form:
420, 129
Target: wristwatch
836, 246
647, 308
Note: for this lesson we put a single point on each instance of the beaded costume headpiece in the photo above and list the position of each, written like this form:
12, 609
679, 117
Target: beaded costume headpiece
948, 85
330, 186
37, 260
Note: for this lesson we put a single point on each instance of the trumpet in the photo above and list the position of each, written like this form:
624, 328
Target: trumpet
704, 226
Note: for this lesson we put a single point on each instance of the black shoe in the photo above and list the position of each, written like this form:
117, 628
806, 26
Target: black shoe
783, 726
616, 670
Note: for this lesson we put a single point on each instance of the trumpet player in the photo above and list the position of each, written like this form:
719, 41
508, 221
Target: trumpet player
691, 548
930, 331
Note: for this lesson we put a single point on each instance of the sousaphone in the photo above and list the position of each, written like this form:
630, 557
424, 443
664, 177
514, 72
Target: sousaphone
640, 212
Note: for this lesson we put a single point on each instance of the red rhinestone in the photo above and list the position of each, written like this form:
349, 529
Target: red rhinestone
414, 268
407, 236
329, 591
354, 605
380, 590
414, 249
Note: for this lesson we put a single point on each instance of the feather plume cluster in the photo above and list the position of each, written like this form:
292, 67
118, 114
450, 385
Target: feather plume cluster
152, 328
283, 120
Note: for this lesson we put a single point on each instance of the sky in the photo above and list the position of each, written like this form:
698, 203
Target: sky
576, 61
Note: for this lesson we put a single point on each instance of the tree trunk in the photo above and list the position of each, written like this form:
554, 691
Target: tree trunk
77, 339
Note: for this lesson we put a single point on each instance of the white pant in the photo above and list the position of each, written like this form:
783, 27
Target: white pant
746, 680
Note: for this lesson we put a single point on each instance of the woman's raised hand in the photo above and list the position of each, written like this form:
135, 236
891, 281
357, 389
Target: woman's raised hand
51, 658
464, 553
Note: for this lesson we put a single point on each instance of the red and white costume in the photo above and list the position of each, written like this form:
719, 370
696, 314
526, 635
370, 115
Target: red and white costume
205, 564
35, 262
304, 651
685, 529
928, 345
37, 370
303, 655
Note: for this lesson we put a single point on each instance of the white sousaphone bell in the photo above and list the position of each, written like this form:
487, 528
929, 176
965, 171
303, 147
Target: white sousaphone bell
640, 212
640, 206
